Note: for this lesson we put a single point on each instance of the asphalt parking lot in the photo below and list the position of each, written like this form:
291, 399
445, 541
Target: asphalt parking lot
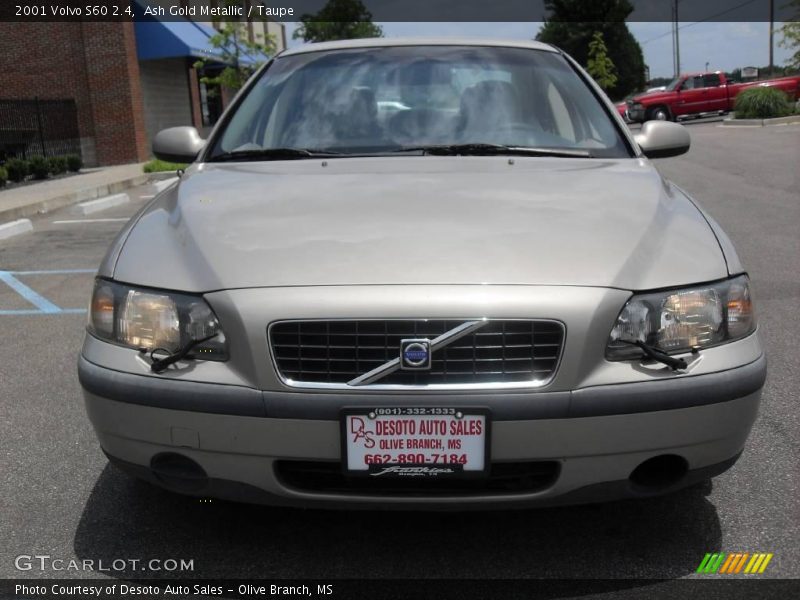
62, 498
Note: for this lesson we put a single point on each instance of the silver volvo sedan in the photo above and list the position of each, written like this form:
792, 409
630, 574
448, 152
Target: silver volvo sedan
422, 273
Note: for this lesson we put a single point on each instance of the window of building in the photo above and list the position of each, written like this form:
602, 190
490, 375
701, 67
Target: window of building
210, 103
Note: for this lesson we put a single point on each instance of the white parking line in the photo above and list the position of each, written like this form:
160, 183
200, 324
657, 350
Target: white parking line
73, 221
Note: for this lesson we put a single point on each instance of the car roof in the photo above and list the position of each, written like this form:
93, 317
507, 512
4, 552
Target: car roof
416, 41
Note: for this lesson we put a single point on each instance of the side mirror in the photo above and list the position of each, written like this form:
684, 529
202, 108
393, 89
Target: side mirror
178, 144
660, 139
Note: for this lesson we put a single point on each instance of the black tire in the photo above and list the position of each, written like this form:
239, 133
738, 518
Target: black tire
659, 113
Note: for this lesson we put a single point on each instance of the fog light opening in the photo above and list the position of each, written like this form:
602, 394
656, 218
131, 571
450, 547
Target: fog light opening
659, 472
178, 472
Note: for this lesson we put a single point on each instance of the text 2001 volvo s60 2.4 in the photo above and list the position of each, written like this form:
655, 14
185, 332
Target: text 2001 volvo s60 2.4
422, 273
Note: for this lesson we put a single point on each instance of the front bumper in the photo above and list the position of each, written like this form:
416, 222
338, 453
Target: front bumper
596, 434
636, 113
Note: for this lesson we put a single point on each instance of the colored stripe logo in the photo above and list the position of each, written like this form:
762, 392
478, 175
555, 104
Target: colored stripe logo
735, 562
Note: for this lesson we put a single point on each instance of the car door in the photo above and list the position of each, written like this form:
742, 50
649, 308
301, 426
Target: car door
693, 97
716, 94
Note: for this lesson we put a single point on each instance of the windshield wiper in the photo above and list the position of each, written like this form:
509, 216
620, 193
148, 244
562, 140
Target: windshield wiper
160, 364
272, 154
658, 355
483, 149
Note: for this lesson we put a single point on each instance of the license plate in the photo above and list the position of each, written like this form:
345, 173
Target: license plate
415, 442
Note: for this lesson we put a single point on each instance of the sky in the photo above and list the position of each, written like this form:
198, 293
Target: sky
724, 46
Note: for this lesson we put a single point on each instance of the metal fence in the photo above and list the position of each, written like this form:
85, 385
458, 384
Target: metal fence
38, 128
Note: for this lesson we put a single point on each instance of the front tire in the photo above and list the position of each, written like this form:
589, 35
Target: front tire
659, 113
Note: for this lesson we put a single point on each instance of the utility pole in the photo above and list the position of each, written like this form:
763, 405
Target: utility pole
771, 33
677, 43
674, 33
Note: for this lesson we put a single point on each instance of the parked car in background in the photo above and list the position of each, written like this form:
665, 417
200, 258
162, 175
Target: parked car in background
696, 93
487, 298
622, 109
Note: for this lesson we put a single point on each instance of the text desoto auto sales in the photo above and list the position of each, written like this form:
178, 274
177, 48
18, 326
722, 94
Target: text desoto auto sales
125, 589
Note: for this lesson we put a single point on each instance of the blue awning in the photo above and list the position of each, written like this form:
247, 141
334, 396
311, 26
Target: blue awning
173, 39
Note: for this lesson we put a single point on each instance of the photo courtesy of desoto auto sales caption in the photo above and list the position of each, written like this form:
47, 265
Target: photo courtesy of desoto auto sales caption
378, 299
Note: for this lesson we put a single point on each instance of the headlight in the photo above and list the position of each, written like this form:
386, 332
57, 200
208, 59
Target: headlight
678, 321
141, 318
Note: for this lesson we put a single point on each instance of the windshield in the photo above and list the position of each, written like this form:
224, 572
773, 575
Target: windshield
673, 85
386, 99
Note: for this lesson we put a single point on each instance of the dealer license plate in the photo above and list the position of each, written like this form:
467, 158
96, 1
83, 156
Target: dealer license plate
415, 442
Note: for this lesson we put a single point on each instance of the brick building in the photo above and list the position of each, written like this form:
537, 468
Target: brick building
127, 80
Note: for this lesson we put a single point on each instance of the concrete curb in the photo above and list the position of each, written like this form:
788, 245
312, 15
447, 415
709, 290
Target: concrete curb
164, 184
51, 204
732, 122
93, 206
161, 175
13, 228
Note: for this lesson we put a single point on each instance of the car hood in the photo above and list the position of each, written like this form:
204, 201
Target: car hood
653, 96
420, 220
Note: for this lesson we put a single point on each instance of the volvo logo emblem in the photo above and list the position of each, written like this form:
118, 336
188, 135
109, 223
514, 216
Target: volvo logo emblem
415, 355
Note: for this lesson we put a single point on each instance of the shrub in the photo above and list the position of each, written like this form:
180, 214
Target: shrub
40, 167
74, 162
158, 166
762, 103
17, 168
57, 165
3, 176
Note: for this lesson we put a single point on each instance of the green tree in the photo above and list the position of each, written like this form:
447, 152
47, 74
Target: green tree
571, 25
599, 65
232, 42
338, 20
735, 75
791, 35
658, 81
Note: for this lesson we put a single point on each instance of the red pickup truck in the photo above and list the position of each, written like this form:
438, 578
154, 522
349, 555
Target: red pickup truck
696, 93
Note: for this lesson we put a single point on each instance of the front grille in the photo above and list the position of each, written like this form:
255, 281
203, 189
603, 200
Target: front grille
504, 478
335, 352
